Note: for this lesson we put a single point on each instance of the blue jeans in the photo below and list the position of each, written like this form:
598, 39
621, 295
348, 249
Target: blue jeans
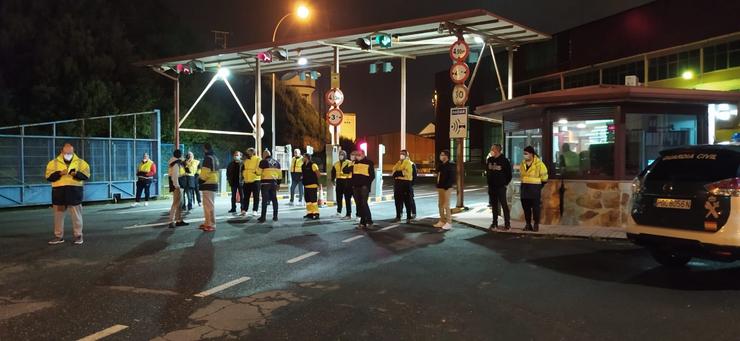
296, 179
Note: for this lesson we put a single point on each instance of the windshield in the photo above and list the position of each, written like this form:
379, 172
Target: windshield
695, 166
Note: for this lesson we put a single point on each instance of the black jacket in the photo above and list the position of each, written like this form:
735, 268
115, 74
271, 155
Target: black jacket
234, 173
446, 175
359, 180
498, 171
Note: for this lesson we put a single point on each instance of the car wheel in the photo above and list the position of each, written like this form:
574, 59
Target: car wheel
670, 258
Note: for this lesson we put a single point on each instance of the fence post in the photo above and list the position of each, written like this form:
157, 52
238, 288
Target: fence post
23, 165
158, 135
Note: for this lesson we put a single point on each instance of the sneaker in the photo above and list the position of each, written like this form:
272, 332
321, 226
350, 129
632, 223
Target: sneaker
506, 227
56, 241
528, 227
274, 218
439, 224
536, 228
209, 229
172, 226
261, 220
255, 213
233, 210
409, 220
291, 204
361, 226
347, 217
181, 223
338, 215
135, 204
202, 226
78, 240
493, 226
315, 216
308, 216
413, 216
396, 220
146, 203
243, 213
199, 204
447, 227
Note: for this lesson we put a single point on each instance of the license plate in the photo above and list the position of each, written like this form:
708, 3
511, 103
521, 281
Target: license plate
673, 203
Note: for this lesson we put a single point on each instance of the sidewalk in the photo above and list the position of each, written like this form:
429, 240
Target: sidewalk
480, 217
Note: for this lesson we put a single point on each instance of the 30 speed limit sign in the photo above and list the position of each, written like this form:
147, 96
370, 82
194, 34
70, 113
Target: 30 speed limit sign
459, 50
335, 116
459, 95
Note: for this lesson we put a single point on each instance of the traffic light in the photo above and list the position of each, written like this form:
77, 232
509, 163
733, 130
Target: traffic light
373, 68
383, 40
387, 67
364, 43
279, 54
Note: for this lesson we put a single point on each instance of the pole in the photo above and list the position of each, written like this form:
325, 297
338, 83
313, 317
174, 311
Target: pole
403, 103
272, 117
498, 74
258, 105
460, 159
177, 113
335, 69
510, 74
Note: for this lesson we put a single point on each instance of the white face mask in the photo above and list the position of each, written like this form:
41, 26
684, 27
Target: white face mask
341, 157
403, 157
237, 158
68, 157
528, 157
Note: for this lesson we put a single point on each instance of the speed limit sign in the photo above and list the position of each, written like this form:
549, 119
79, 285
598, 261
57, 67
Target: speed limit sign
335, 116
459, 95
459, 72
459, 50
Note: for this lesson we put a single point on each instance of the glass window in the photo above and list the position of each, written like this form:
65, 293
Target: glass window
722, 56
616, 74
672, 66
516, 141
734, 53
582, 79
546, 85
583, 149
648, 134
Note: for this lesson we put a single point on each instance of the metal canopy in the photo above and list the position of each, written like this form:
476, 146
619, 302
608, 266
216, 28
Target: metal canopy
412, 38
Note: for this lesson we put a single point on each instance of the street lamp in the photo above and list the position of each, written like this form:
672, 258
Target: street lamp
302, 12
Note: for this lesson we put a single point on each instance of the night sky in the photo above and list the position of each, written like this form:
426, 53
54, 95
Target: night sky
378, 110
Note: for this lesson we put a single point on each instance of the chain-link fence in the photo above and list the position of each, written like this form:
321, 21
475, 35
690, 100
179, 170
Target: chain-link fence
112, 145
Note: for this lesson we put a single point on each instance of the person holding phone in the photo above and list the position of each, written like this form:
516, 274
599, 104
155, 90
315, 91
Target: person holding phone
67, 174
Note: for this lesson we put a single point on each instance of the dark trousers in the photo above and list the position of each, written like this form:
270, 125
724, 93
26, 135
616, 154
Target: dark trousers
237, 188
189, 192
496, 197
412, 202
269, 195
344, 191
296, 181
251, 189
531, 210
402, 197
361, 195
142, 185
196, 189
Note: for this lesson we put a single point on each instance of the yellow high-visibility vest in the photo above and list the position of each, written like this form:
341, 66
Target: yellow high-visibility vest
145, 166
58, 164
339, 166
536, 174
192, 166
405, 167
314, 168
361, 169
210, 176
250, 171
297, 164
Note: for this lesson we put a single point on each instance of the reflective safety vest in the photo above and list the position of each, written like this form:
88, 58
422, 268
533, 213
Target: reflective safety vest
310, 180
250, 169
572, 161
192, 167
58, 164
209, 176
269, 171
406, 167
536, 174
339, 167
296, 165
361, 169
145, 167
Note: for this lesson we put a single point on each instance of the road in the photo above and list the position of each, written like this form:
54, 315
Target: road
134, 279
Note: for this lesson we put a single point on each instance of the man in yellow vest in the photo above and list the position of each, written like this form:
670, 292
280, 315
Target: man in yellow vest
67, 174
192, 170
250, 174
343, 185
145, 173
270, 176
363, 175
534, 177
310, 178
403, 173
208, 180
570, 162
296, 171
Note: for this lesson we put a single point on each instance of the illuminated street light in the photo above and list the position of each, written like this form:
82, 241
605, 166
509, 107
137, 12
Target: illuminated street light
302, 61
302, 12
688, 74
223, 73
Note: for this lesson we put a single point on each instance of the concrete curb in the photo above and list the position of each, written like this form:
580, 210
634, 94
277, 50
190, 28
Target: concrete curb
541, 233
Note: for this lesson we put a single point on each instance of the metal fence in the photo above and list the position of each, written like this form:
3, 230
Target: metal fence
112, 145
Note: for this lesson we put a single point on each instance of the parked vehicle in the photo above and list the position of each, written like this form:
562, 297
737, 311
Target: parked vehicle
687, 204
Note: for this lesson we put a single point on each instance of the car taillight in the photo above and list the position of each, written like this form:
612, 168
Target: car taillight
636, 185
726, 188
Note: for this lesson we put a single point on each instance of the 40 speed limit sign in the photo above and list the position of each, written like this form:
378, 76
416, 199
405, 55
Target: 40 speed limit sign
459, 95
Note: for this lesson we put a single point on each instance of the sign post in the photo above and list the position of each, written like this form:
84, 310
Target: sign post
459, 73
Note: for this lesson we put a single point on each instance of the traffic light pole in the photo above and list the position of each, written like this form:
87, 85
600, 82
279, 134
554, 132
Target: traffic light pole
258, 106
403, 103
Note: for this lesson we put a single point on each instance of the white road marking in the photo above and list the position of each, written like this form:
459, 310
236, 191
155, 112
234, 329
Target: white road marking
129, 211
302, 257
222, 287
145, 225
189, 221
351, 239
104, 333
389, 227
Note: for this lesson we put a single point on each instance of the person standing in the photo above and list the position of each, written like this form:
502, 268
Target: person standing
445, 181
176, 171
412, 201
234, 177
190, 190
296, 171
208, 181
498, 174
251, 187
534, 178
403, 173
145, 172
67, 174
270, 175
343, 185
310, 178
363, 174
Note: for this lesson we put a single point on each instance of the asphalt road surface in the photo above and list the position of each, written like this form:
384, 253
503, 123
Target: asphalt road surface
134, 279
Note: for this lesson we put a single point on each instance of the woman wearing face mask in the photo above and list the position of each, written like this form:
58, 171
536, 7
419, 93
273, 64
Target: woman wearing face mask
445, 181
534, 178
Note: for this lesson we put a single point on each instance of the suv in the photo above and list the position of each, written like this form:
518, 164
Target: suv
687, 204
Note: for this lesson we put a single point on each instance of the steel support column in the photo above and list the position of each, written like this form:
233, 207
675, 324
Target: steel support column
258, 106
272, 117
403, 103
177, 112
510, 74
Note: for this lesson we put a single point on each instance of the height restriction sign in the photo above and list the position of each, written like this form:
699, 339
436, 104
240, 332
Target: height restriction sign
334, 97
459, 50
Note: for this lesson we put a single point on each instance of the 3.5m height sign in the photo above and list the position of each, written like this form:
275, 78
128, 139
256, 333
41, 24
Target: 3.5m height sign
459, 122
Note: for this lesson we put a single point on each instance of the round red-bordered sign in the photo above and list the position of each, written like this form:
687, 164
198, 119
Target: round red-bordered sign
459, 50
335, 116
459, 72
334, 97
460, 95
